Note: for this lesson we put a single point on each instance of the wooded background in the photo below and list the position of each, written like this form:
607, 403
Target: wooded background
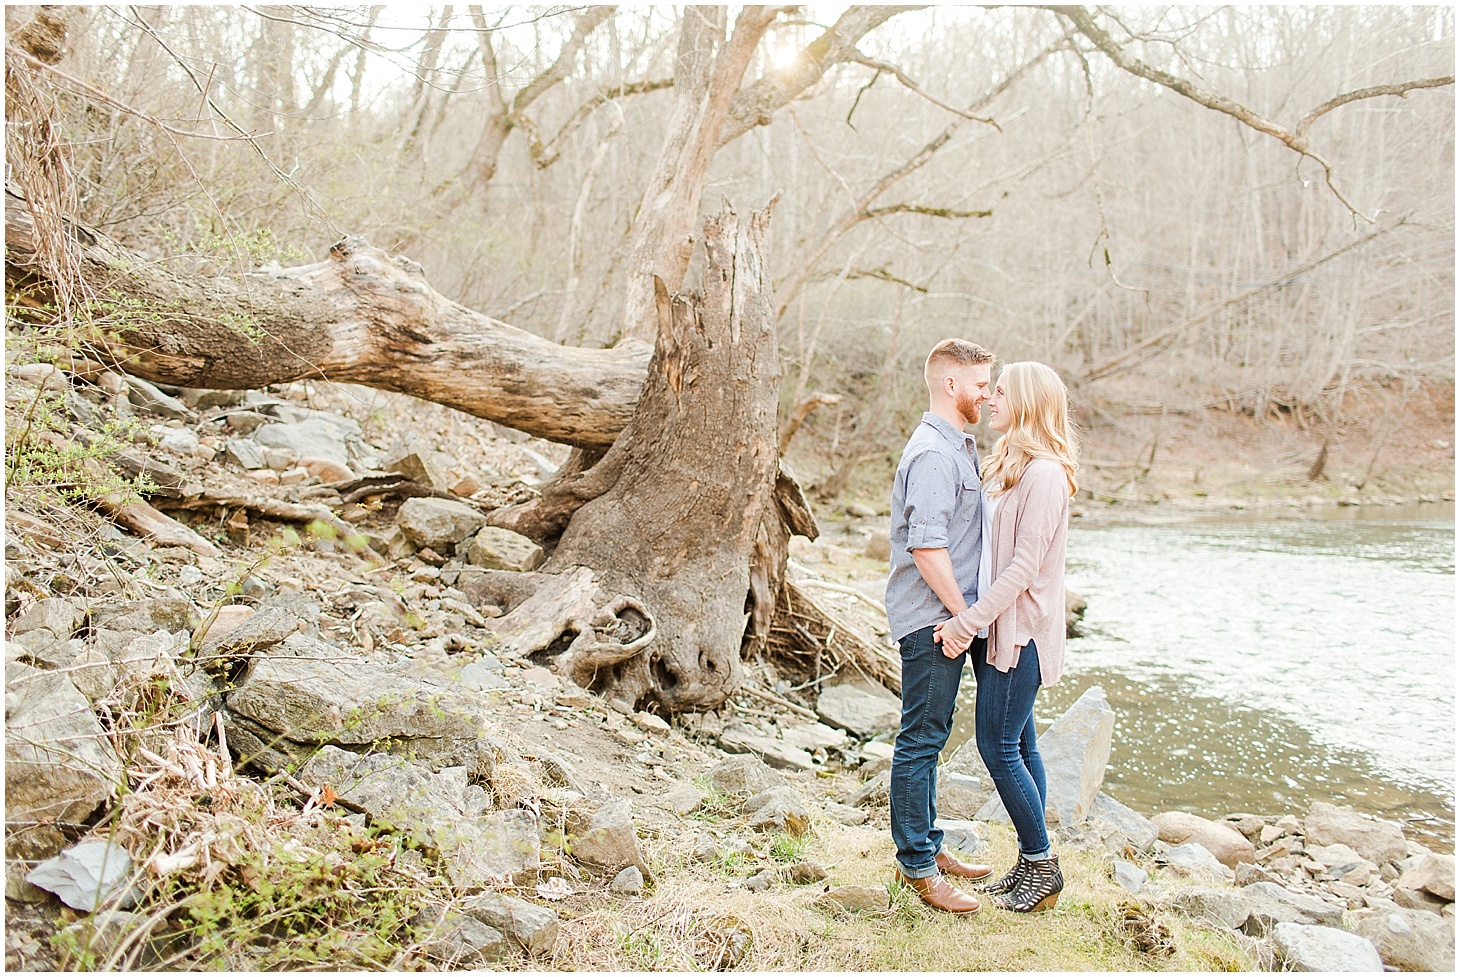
955, 171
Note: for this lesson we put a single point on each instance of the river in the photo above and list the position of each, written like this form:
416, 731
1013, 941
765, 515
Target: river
1257, 664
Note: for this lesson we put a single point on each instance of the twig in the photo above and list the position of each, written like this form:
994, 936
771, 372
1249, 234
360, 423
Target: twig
783, 703
841, 589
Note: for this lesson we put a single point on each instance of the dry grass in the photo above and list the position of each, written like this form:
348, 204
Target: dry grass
691, 916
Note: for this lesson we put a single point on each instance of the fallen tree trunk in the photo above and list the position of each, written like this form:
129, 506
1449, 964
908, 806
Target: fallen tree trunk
360, 316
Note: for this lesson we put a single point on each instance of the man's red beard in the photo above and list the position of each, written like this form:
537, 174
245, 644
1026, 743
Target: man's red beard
966, 405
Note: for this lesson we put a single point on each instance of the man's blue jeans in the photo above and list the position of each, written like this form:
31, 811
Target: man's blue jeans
1003, 723
929, 693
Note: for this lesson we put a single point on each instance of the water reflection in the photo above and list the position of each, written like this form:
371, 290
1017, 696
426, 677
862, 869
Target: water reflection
1259, 665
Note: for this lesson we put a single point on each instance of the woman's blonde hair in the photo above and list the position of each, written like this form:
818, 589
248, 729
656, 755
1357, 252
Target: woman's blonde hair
1039, 427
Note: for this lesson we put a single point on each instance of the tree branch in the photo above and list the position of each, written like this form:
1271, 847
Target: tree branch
545, 155
911, 85
1296, 140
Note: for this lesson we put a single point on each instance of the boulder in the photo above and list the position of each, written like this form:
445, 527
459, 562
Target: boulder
1129, 876
968, 837
855, 899
1409, 939
253, 633
438, 523
438, 810
54, 614
1312, 909
57, 764
628, 882
960, 796
879, 545
1075, 750
1420, 899
1136, 830
1192, 860
532, 927
495, 548
311, 693
458, 941
844, 813
414, 458
224, 619
778, 809
1431, 873
609, 842
1321, 949
813, 737
1223, 841
150, 399
739, 738
859, 712
1378, 841
1254, 909
743, 775
313, 437
158, 614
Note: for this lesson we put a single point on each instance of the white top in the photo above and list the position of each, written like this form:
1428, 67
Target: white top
986, 551
986, 557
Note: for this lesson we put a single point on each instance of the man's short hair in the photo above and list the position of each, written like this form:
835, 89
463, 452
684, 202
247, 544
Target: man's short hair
959, 351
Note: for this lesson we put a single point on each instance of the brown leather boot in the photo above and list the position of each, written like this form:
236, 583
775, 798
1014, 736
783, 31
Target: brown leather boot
949, 865
938, 893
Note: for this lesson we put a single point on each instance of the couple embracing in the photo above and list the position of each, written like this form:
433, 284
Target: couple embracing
978, 555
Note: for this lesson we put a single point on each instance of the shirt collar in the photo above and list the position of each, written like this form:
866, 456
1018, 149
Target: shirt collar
949, 432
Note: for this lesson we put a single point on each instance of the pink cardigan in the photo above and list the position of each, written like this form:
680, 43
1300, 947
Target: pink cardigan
1027, 595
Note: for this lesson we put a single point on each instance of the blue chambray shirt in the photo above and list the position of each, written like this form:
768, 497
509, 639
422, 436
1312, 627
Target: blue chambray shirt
937, 501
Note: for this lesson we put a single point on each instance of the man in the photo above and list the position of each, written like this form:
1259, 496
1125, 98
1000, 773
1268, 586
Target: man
937, 530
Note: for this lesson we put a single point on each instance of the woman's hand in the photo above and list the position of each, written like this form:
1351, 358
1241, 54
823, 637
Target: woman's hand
955, 635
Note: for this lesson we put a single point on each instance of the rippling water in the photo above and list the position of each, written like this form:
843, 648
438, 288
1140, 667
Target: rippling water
1262, 665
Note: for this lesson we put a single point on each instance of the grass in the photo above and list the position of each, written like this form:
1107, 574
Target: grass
692, 911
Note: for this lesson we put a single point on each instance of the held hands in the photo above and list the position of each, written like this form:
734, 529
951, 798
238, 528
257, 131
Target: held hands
955, 634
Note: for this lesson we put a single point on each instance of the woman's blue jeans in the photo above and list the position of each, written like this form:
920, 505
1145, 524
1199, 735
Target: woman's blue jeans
929, 693
1004, 727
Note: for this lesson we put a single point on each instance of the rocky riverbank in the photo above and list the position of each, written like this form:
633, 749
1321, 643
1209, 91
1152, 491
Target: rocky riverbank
285, 731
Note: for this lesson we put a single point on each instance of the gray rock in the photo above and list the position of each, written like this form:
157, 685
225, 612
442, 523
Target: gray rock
245, 421
874, 793
501, 549
629, 882
1378, 841
438, 810
414, 458
683, 799
855, 899
1075, 607
1075, 750
1420, 899
803, 873
761, 881
1431, 873
844, 813
705, 848
313, 436
146, 397
813, 737
105, 933
1129, 876
43, 649
158, 613
57, 764
1191, 860
879, 545
1409, 939
124, 657
969, 837
480, 677
458, 941
312, 693
610, 843
1138, 832
438, 523
1321, 949
1225, 842
1313, 909
861, 713
180, 441
58, 616
738, 738
259, 631
201, 398
280, 459
777, 809
244, 453
85, 876
960, 796
532, 927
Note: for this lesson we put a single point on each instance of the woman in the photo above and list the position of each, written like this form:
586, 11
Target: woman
1028, 479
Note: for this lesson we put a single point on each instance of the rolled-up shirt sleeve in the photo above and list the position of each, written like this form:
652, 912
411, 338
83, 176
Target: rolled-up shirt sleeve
932, 494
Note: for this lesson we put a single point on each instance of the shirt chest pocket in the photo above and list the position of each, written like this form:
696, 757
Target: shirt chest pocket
968, 498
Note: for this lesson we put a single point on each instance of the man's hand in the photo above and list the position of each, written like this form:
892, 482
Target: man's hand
955, 635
